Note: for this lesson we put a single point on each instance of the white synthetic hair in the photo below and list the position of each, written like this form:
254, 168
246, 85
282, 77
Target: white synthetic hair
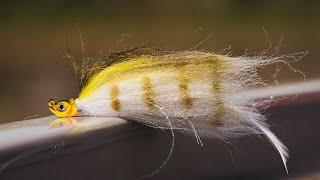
236, 115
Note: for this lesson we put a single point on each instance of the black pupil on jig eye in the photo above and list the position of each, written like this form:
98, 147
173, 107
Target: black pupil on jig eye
61, 107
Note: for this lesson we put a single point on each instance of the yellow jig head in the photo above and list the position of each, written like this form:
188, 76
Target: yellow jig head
65, 108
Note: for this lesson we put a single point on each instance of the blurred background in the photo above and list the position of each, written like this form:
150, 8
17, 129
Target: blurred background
34, 35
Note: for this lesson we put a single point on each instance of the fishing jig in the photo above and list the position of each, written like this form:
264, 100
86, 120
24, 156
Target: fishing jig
191, 91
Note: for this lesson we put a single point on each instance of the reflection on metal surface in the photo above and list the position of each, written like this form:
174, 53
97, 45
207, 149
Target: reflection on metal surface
36, 131
64, 122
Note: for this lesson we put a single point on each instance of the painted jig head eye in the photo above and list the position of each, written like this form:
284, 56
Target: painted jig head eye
62, 106
65, 108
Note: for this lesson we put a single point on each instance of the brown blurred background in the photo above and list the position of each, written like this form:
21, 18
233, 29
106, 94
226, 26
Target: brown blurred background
34, 35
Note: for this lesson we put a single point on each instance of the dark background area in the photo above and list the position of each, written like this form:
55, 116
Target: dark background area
33, 69
34, 34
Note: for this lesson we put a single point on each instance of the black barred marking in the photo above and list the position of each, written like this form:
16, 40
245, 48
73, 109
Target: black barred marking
186, 100
148, 93
114, 98
219, 105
